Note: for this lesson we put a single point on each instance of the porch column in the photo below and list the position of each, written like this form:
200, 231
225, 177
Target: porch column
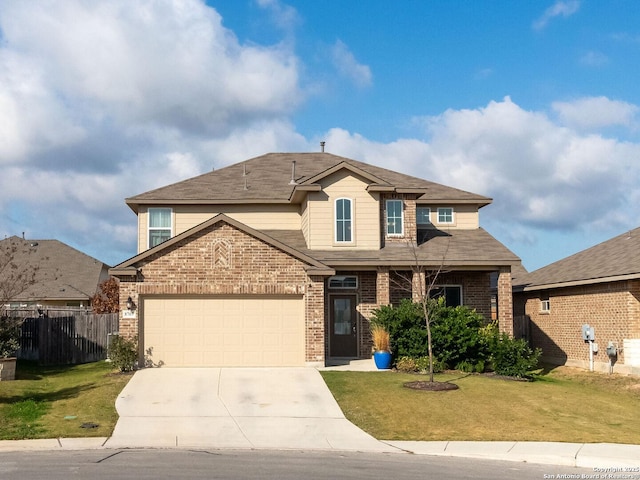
315, 344
505, 301
418, 285
383, 296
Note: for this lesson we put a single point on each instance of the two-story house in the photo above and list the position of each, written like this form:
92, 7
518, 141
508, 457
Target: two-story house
281, 260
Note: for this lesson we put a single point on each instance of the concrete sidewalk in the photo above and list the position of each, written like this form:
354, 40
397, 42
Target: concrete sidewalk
587, 455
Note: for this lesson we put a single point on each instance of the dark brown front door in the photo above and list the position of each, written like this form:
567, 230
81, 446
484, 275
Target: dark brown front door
343, 340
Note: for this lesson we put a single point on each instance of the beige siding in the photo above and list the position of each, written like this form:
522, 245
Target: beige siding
465, 217
304, 218
269, 217
321, 216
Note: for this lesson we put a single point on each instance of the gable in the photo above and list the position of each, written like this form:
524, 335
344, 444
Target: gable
219, 243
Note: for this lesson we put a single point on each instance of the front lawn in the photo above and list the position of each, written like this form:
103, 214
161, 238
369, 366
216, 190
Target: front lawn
563, 405
51, 402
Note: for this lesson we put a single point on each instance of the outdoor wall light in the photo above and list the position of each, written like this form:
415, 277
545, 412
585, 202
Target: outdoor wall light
130, 304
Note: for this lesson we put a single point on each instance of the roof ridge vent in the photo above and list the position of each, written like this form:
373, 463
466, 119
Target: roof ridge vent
293, 173
322, 147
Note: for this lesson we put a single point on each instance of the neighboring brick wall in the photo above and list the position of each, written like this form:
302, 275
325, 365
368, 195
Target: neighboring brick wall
613, 309
226, 261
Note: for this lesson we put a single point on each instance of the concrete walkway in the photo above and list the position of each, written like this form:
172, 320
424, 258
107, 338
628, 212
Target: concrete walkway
234, 408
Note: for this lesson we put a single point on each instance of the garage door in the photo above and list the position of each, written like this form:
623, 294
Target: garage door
224, 332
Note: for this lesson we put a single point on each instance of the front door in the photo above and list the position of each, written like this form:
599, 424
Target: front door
343, 339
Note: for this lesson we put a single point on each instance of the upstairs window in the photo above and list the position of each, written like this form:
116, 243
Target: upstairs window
343, 220
394, 217
160, 227
423, 216
445, 215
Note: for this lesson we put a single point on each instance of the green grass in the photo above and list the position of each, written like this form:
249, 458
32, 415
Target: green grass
562, 405
51, 402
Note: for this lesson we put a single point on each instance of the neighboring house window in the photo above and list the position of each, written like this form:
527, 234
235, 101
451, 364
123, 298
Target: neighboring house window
452, 294
423, 215
343, 281
343, 220
545, 306
445, 215
159, 225
394, 217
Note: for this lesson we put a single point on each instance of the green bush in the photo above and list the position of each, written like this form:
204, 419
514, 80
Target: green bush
406, 365
406, 327
456, 338
417, 365
123, 353
513, 357
9, 336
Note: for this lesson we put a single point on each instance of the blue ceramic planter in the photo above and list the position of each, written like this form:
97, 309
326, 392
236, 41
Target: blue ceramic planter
382, 360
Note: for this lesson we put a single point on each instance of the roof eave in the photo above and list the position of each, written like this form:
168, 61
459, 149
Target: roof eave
579, 283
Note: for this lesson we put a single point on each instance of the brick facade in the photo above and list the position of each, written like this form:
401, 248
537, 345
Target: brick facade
223, 260
612, 308
409, 218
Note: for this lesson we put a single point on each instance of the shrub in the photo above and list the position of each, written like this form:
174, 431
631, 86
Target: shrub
406, 364
406, 327
456, 338
123, 353
9, 336
513, 357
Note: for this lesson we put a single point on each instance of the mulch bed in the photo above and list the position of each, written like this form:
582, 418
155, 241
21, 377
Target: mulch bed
431, 386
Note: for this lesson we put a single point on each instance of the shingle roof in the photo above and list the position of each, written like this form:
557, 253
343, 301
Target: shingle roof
614, 259
63, 273
267, 178
465, 248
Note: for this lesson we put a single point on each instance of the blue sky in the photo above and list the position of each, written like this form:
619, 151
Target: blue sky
534, 104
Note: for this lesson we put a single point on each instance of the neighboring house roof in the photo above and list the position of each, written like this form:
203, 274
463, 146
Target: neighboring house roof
612, 260
268, 179
62, 272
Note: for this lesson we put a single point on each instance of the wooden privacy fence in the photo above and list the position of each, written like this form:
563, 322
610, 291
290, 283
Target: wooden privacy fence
67, 338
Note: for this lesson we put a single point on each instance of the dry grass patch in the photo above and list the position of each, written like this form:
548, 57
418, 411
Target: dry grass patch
563, 405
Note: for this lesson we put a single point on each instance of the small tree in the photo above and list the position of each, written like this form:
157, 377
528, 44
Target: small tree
107, 298
427, 277
17, 274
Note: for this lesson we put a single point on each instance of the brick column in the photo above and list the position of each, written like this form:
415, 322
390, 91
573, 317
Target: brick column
382, 286
505, 301
418, 285
315, 325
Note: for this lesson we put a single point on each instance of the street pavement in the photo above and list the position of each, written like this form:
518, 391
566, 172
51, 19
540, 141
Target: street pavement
288, 409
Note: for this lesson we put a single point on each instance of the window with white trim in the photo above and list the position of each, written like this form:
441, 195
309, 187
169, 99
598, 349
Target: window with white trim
452, 294
445, 215
160, 225
545, 305
343, 282
344, 222
394, 217
423, 215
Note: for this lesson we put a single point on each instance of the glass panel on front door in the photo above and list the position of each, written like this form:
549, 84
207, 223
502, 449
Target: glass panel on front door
342, 316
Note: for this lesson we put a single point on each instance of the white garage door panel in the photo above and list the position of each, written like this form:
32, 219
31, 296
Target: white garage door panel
230, 331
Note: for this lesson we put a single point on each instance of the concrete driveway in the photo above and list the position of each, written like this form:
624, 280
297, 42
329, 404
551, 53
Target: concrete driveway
277, 408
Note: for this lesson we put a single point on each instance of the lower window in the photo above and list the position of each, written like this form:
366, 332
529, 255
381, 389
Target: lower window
452, 294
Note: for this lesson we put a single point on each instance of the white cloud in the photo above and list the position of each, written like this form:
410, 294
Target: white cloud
594, 59
283, 16
540, 174
596, 112
564, 8
347, 65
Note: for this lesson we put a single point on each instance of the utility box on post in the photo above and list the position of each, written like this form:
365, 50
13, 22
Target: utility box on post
588, 333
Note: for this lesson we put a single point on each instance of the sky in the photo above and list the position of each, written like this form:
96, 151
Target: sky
534, 104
